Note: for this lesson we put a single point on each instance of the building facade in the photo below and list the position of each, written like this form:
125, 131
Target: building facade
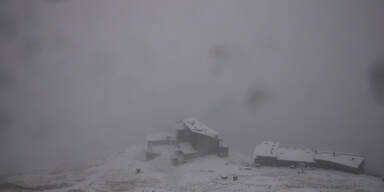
203, 139
271, 154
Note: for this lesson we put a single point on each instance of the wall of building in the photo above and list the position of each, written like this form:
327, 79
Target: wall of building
287, 163
330, 165
266, 161
272, 161
182, 135
204, 144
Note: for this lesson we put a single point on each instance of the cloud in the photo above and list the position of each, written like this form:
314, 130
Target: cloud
376, 79
90, 76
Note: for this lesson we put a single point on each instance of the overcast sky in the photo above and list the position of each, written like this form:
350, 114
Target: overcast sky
79, 77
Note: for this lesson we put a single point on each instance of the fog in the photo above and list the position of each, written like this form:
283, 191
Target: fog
81, 78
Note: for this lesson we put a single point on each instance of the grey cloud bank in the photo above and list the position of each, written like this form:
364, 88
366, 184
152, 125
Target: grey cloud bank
82, 77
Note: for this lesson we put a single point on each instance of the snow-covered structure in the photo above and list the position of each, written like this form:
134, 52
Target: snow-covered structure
186, 150
202, 139
266, 153
295, 157
160, 139
271, 154
192, 139
340, 161
223, 149
155, 142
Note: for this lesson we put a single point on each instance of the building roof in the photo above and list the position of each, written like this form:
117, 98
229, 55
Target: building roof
349, 160
298, 155
271, 149
198, 127
266, 149
159, 137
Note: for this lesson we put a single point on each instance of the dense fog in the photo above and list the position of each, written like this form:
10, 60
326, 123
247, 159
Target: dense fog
82, 78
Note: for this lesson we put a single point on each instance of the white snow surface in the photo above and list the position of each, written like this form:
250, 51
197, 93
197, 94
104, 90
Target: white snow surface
118, 173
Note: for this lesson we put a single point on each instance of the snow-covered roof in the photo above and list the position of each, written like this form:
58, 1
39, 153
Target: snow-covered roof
271, 149
298, 155
159, 137
266, 149
349, 160
186, 148
198, 127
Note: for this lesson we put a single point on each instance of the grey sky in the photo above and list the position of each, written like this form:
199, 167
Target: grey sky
92, 75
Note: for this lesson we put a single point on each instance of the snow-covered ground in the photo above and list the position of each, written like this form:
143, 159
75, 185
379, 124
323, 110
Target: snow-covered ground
118, 173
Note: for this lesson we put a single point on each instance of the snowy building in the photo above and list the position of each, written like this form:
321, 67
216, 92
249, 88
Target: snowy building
154, 143
223, 150
340, 161
295, 157
266, 153
270, 153
160, 139
186, 150
192, 139
202, 139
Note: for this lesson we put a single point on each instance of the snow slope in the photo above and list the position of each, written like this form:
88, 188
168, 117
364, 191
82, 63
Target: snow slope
118, 173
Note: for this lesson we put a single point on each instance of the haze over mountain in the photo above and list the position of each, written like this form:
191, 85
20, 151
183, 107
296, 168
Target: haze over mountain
82, 78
